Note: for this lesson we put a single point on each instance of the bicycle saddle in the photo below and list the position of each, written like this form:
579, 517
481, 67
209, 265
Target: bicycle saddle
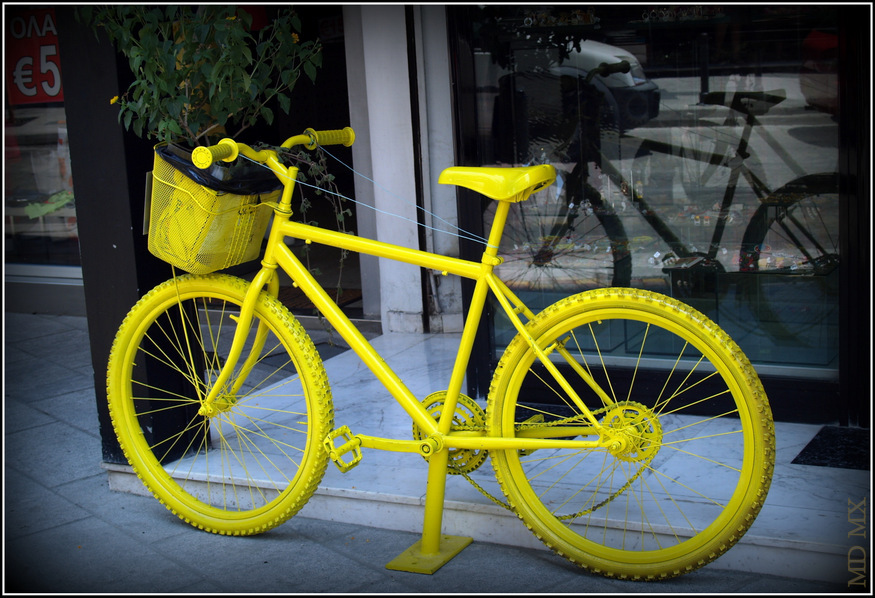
746, 102
503, 184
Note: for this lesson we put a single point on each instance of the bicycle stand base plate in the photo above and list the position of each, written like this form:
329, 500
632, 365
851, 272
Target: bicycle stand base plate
413, 560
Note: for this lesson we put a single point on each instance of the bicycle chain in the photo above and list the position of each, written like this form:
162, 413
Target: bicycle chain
558, 422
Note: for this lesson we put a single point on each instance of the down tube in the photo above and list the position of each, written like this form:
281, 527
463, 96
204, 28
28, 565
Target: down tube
293, 266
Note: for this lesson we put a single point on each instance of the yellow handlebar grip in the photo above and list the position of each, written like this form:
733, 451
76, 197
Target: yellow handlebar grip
345, 136
203, 157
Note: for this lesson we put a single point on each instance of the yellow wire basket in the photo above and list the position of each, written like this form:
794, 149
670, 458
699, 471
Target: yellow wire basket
198, 229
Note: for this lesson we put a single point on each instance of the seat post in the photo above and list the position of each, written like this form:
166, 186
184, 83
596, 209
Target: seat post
435, 549
496, 232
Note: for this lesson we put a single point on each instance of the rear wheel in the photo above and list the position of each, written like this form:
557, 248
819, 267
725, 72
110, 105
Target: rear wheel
795, 230
790, 250
693, 449
256, 457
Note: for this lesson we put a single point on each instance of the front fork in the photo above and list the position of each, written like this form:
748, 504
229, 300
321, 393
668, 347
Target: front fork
220, 397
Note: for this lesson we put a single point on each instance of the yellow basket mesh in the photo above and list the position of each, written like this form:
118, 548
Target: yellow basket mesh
200, 230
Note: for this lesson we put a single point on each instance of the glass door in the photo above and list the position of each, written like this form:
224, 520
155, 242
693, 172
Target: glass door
706, 169
40, 227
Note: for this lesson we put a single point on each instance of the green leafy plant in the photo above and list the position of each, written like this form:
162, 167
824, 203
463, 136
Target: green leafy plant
200, 71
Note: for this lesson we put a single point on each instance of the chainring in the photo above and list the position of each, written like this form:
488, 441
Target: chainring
468, 415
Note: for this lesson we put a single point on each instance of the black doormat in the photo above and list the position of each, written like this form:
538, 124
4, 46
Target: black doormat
836, 446
295, 299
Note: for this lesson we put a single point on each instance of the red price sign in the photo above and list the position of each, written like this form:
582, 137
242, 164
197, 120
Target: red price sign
33, 64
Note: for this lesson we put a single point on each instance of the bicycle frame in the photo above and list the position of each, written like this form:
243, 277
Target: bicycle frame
438, 435
434, 549
716, 159
485, 281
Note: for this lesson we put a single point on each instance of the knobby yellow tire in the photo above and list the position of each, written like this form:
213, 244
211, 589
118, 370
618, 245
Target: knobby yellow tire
258, 457
694, 439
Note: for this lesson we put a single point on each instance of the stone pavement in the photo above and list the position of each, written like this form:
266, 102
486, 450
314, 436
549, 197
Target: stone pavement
66, 531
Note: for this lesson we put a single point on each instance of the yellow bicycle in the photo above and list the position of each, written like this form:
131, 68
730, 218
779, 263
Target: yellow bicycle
627, 431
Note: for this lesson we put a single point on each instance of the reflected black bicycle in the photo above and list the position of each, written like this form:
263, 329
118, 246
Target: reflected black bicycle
574, 238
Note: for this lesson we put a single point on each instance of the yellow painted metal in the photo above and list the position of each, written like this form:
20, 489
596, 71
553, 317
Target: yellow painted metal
475, 311
258, 343
432, 524
526, 439
416, 560
441, 263
466, 344
505, 184
351, 445
264, 277
545, 360
298, 140
520, 306
356, 340
509, 185
424, 447
584, 375
493, 443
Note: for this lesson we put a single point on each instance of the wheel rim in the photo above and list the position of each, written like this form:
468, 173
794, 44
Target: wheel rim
790, 257
795, 233
590, 523
237, 466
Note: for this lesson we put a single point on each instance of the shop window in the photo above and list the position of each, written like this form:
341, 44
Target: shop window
706, 172
39, 207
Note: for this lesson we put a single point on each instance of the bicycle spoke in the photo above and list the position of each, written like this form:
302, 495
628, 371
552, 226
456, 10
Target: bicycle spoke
677, 455
246, 465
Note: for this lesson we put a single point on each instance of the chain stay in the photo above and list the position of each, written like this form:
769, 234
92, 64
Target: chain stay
554, 423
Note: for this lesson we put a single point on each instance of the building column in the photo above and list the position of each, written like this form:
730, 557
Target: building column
379, 97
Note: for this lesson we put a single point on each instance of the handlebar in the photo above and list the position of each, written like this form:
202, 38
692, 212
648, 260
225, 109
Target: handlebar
345, 136
227, 149
605, 69
203, 157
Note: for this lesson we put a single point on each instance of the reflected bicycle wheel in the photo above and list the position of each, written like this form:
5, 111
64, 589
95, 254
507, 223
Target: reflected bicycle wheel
563, 240
795, 230
692, 454
790, 254
256, 457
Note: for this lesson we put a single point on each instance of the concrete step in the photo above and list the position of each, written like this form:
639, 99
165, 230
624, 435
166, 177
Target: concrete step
804, 529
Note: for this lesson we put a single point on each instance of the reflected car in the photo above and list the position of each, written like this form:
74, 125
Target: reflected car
635, 97
553, 105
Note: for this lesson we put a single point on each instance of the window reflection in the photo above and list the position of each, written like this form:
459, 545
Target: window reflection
706, 172
39, 210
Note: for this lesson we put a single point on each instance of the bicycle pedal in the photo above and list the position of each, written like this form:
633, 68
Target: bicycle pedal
351, 444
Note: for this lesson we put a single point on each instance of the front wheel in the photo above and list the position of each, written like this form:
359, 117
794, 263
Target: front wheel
566, 240
253, 459
694, 450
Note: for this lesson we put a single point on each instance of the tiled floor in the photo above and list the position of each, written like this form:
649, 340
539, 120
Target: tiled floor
803, 525
53, 487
